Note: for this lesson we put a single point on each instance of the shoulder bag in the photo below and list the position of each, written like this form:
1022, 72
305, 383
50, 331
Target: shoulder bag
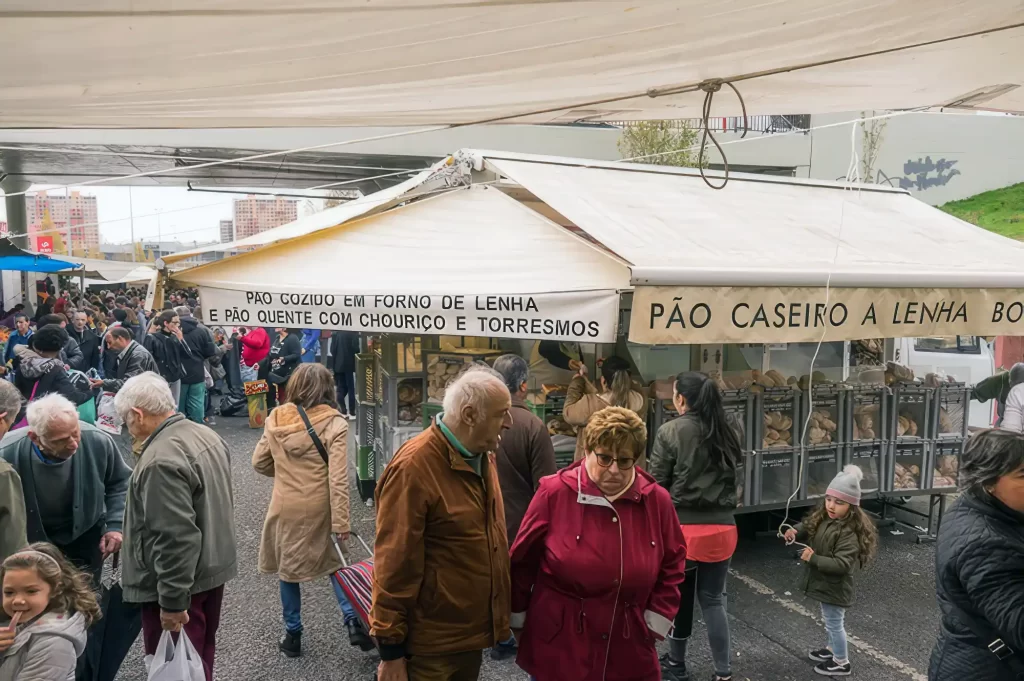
314, 437
996, 645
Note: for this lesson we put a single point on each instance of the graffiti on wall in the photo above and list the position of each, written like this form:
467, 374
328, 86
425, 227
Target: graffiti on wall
919, 175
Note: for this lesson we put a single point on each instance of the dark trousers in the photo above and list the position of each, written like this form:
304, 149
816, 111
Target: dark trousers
346, 388
110, 638
84, 552
264, 375
454, 667
203, 621
705, 585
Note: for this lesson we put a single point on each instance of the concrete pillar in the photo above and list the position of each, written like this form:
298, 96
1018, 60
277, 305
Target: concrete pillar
17, 223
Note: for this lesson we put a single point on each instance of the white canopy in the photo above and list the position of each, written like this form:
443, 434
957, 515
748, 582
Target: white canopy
112, 271
255, 63
142, 274
469, 261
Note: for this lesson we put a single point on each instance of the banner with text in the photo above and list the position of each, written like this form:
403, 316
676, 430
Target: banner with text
690, 314
584, 316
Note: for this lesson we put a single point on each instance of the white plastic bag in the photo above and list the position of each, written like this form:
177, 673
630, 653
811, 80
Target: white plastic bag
106, 416
178, 662
248, 373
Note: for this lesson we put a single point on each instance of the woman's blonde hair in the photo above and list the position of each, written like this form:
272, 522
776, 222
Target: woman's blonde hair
70, 588
311, 385
616, 429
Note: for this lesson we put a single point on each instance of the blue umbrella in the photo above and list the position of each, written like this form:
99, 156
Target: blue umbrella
14, 258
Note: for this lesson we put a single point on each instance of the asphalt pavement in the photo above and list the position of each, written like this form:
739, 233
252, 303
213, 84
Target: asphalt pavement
892, 627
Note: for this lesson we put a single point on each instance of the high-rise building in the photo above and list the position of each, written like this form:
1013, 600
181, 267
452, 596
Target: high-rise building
254, 214
227, 230
73, 217
4, 231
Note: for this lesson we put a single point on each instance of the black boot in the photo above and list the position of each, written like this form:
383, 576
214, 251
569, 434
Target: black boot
358, 637
673, 671
291, 644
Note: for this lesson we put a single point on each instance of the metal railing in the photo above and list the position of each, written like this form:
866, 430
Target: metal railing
768, 124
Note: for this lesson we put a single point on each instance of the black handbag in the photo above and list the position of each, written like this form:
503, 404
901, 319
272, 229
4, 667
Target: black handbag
313, 436
1004, 653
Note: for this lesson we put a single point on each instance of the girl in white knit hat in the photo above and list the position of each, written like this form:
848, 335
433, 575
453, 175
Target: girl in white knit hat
840, 537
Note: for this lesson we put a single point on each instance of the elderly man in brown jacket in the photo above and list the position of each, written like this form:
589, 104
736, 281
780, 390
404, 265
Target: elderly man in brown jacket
441, 571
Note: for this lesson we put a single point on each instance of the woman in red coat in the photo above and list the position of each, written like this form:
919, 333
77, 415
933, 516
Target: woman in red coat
597, 564
255, 345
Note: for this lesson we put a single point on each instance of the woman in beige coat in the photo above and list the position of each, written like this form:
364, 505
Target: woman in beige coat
310, 499
583, 399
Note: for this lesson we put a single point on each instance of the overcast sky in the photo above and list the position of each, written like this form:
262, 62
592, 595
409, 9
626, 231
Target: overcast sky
184, 216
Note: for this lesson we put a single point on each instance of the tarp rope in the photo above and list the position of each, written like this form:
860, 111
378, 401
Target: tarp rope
710, 87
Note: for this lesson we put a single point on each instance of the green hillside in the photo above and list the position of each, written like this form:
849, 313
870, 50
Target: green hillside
1000, 211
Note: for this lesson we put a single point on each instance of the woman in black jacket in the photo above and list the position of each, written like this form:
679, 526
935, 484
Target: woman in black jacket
980, 565
695, 458
166, 343
40, 369
285, 355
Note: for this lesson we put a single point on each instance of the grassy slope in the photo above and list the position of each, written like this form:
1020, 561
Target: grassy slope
1000, 211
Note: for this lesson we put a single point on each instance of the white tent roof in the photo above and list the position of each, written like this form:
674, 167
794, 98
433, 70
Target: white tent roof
761, 231
112, 271
256, 63
470, 240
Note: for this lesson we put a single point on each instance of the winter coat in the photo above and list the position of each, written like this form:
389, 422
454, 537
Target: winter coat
199, 341
309, 501
344, 348
179, 522
310, 344
595, 582
441, 556
829, 573
289, 351
525, 455
14, 341
703, 493
169, 353
89, 344
582, 402
979, 560
72, 355
99, 476
136, 360
255, 346
45, 650
12, 511
43, 376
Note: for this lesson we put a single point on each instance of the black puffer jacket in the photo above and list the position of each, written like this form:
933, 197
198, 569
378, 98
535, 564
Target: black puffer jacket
169, 353
979, 575
703, 492
201, 348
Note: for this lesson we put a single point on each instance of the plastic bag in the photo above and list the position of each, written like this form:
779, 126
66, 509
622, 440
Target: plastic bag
176, 662
107, 418
248, 373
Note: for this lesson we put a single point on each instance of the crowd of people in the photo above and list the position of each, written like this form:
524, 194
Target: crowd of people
481, 541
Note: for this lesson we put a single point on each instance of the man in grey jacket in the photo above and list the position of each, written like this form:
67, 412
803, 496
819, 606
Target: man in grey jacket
73, 480
179, 533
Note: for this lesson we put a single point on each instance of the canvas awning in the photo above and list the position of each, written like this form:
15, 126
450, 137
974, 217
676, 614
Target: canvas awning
141, 274
469, 261
751, 263
258, 63
14, 258
110, 271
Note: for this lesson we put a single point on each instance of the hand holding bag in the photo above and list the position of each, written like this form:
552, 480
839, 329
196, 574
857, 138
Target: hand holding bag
176, 662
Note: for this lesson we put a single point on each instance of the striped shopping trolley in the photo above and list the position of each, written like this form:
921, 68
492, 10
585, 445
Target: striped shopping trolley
356, 580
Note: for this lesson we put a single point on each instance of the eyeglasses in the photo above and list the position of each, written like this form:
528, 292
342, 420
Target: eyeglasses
624, 462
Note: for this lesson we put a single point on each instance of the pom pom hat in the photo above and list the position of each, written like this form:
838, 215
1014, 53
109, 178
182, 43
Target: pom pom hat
846, 485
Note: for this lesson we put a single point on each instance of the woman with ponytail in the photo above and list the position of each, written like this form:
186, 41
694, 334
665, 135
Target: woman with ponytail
583, 399
695, 458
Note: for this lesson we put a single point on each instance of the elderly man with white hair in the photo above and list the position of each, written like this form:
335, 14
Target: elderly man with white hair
179, 528
74, 482
441, 571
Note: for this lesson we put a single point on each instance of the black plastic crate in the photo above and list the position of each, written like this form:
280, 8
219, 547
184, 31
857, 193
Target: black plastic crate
744, 480
910, 413
867, 415
775, 474
907, 467
366, 370
944, 463
739, 411
776, 419
821, 464
366, 424
872, 458
825, 405
951, 410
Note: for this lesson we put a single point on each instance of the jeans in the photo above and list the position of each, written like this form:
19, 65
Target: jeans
345, 382
192, 401
834, 617
705, 584
291, 606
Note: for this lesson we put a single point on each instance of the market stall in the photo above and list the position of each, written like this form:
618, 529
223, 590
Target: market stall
438, 283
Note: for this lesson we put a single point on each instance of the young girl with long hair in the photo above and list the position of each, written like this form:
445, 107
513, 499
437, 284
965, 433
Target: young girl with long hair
840, 538
695, 458
48, 605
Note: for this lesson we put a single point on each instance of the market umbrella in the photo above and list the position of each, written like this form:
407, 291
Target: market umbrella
14, 258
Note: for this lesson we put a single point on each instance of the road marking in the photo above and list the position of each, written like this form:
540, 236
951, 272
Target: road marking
861, 645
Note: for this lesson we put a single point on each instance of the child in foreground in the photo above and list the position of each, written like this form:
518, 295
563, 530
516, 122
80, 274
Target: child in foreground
48, 605
840, 537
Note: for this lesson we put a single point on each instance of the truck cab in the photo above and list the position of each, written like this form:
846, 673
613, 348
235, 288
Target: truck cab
967, 359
